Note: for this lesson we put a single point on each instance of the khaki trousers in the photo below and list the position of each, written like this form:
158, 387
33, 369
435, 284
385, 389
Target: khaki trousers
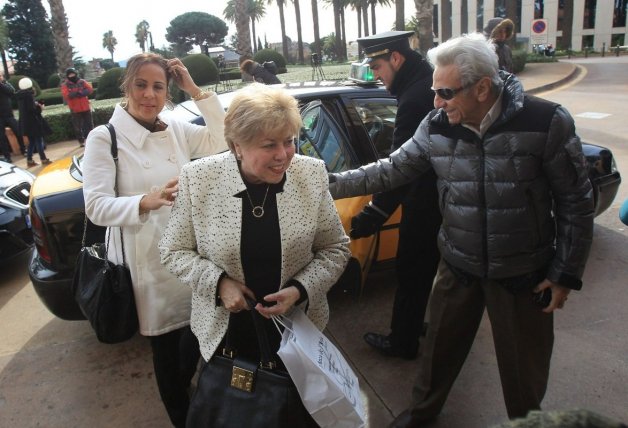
523, 337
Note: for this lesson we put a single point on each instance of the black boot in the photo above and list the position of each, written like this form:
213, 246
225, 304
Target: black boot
386, 346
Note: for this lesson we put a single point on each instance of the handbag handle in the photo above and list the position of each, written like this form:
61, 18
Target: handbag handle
266, 359
114, 155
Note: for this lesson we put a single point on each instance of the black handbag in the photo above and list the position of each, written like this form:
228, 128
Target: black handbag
102, 289
236, 392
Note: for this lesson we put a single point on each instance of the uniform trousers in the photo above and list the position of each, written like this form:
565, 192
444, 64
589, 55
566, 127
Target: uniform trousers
416, 262
523, 337
175, 358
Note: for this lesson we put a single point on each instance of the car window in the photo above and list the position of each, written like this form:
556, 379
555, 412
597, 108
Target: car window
322, 139
378, 117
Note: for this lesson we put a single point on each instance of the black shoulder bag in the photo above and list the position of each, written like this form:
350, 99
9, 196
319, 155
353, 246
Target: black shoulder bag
234, 392
102, 289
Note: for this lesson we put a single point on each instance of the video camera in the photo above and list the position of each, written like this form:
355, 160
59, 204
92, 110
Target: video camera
316, 61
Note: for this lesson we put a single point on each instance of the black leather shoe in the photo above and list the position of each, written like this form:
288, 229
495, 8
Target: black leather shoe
384, 345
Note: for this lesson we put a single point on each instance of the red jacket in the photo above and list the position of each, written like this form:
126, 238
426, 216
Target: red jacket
75, 94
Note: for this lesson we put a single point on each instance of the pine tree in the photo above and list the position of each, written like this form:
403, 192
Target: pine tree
30, 39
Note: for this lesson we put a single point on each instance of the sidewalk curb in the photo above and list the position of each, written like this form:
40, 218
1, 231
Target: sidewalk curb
575, 73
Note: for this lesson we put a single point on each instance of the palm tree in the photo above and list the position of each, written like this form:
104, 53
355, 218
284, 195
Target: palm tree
141, 34
109, 42
255, 10
297, 11
61, 35
338, 7
357, 6
383, 3
4, 41
399, 15
242, 27
424, 10
317, 35
282, 22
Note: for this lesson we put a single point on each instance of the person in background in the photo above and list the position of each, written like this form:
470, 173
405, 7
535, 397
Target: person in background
152, 150
500, 30
32, 124
517, 208
259, 72
408, 77
7, 92
256, 222
75, 92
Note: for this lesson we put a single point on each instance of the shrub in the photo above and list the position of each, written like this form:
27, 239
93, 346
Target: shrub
54, 80
271, 55
202, 69
109, 84
519, 58
60, 120
15, 79
51, 96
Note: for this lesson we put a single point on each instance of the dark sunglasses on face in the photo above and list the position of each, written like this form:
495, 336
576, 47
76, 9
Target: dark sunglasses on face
448, 93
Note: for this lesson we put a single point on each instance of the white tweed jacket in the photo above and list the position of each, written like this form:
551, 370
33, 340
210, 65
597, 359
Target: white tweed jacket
202, 239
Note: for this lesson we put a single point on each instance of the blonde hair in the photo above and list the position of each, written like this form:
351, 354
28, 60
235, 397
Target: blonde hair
259, 110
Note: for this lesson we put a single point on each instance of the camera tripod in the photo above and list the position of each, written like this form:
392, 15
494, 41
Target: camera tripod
317, 70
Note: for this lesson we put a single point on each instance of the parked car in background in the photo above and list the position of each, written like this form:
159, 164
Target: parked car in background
346, 124
16, 236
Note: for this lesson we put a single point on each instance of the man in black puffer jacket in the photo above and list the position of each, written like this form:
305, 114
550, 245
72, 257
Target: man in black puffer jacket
517, 210
408, 77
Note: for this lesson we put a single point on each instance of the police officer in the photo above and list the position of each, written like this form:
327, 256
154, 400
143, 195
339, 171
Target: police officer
408, 77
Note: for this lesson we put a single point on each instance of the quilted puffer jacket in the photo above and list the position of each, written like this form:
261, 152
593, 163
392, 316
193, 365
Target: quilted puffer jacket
513, 202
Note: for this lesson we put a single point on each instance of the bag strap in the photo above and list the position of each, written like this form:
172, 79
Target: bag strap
266, 359
114, 155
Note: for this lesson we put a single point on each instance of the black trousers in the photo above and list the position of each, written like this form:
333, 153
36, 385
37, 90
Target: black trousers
82, 123
417, 261
175, 358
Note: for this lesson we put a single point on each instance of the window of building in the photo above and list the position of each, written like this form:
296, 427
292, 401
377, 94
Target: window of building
617, 40
539, 6
479, 20
435, 21
619, 13
587, 42
589, 14
464, 17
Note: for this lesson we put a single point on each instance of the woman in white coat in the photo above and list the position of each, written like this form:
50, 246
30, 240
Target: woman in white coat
151, 154
259, 222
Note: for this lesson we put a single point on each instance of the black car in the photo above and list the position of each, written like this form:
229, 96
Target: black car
16, 236
345, 124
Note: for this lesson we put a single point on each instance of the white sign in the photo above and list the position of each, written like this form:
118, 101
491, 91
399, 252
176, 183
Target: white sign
538, 31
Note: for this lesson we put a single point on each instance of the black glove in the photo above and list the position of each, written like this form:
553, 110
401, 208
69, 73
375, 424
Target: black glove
367, 222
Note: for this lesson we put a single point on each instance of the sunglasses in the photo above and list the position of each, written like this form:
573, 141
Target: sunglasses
448, 93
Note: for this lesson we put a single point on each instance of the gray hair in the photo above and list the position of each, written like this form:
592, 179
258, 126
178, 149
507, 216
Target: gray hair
473, 55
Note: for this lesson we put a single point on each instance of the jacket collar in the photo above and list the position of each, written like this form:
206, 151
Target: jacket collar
127, 126
413, 68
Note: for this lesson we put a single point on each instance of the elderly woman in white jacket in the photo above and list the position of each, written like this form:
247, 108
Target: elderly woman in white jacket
258, 222
151, 154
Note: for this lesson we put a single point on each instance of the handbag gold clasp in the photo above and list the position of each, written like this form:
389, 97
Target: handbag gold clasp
242, 379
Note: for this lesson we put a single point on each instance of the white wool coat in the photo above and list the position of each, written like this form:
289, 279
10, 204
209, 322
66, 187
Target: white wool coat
146, 162
202, 239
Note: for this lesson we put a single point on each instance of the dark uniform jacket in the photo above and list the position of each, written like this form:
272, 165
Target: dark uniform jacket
513, 202
415, 99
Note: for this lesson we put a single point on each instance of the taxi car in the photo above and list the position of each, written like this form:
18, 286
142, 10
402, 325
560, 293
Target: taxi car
346, 124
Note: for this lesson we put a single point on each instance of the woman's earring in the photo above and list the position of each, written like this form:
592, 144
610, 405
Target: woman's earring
124, 103
238, 156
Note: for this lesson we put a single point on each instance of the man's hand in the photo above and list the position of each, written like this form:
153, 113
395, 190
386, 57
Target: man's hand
367, 222
559, 295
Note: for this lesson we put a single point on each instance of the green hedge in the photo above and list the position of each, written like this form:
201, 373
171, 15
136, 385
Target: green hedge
60, 120
519, 58
271, 55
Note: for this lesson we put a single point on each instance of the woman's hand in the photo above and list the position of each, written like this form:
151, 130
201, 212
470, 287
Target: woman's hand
181, 77
284, 298
160, 197
232, 292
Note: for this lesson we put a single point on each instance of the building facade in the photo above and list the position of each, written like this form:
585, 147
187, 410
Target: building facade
573, 24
